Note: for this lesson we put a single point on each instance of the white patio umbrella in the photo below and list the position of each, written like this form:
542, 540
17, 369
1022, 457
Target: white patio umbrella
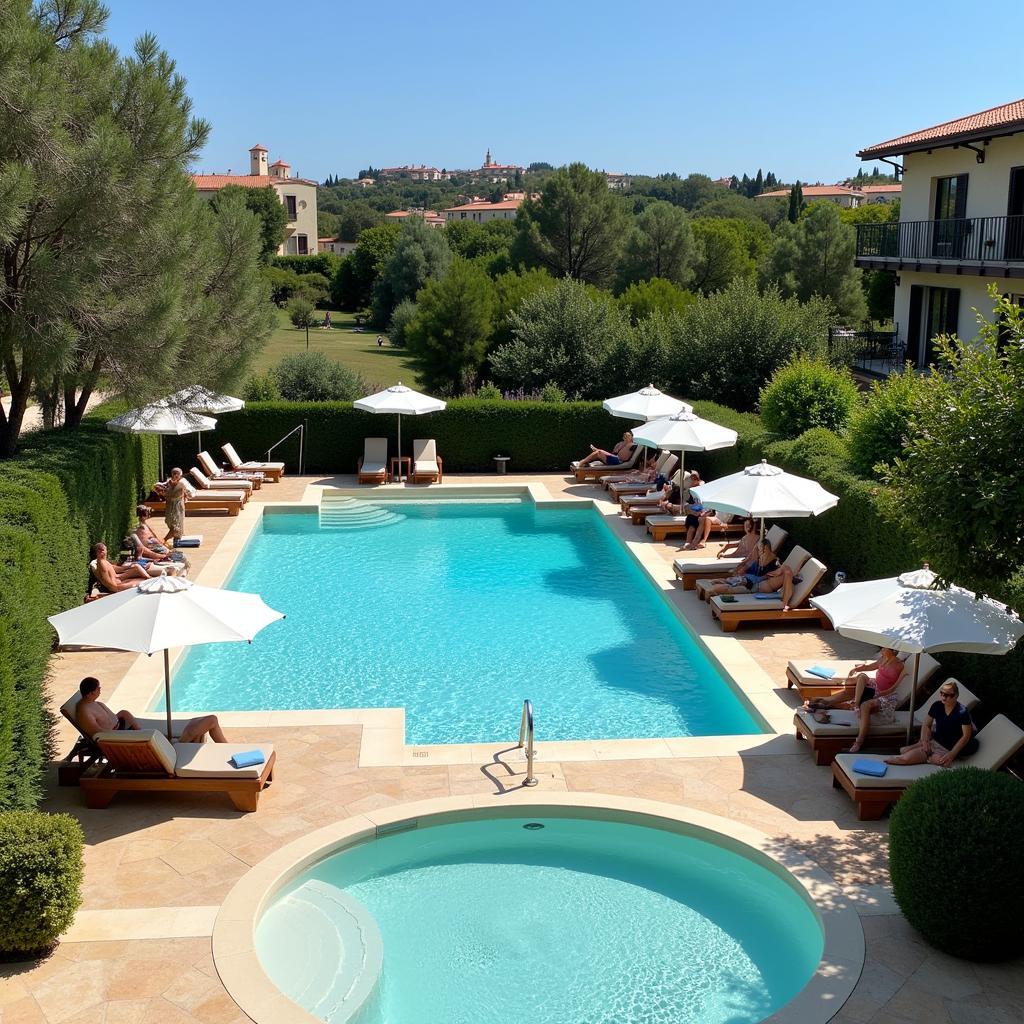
163, 419
196, 398
907, 613
161, 613
765, 491
646, 404
684, 432
401, 401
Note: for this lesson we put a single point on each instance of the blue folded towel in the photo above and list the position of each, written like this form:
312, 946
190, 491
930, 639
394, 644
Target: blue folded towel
766, 597
823, 673
188, 542
866, 767
247, 758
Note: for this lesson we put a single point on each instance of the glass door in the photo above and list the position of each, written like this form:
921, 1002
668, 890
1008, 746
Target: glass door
1015, 216
950, 217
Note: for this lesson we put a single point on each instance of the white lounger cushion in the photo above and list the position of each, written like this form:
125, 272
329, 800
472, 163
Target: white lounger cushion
236, 463
997, 743
796, 560
212, 760
375, 456
206, 484
799, 668
845, 723
424, 457
212, 496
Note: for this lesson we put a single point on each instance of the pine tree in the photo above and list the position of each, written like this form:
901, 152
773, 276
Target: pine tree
734, 183
758, 183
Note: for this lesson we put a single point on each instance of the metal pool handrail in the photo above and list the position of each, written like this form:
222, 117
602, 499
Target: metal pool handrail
301, 428
526, 739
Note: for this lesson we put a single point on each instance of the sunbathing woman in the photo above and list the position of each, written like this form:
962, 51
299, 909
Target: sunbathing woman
878, 696
619, 454
760, 574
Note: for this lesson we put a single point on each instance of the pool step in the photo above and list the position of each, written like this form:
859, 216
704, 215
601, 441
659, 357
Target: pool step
341, 512
326, 950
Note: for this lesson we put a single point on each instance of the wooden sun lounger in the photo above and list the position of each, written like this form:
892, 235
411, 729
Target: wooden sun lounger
795, 560
711, 569
427, 467
998, 742
584, 473
660, 527
809, 685
372, 467
827, 739
144, 760
748, 608
217, 475
273, 471
204, 504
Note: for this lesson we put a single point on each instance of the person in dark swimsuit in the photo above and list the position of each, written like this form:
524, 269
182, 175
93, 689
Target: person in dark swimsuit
946, 733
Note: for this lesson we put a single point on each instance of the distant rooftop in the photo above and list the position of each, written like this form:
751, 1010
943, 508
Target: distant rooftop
1006, 119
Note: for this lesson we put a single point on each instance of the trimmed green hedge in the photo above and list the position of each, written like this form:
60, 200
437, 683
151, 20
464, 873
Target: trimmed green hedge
855, 536
40, 879
539, 436
63, 490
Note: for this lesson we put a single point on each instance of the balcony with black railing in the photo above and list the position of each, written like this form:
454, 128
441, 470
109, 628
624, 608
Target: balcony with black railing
973, 244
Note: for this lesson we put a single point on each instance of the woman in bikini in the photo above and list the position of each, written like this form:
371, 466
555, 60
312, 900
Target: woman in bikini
148, 544
866, 695
744, 547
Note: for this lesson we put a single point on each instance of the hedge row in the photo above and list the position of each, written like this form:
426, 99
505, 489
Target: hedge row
538, 436
64, 490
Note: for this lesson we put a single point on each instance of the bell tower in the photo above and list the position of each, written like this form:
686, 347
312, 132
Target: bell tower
258, 161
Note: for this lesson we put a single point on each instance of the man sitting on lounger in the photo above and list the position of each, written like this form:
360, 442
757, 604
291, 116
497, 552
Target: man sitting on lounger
619, 454
94, 716
111, 578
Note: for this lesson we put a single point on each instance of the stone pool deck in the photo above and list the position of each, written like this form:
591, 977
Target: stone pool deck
157, 868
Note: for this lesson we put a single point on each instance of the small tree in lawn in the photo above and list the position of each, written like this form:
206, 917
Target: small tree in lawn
301, 314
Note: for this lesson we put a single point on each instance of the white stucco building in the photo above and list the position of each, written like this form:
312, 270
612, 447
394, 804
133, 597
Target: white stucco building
961, 225
297, 195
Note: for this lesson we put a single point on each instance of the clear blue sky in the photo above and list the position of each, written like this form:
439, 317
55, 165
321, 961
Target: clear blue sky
719, 88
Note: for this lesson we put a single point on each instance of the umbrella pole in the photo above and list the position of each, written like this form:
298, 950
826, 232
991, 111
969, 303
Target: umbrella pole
167, 690
913, 698
399, 447
199, 441
162, 477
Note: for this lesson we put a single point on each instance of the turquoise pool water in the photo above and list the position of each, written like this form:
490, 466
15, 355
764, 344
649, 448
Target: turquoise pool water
582, 920
457, 612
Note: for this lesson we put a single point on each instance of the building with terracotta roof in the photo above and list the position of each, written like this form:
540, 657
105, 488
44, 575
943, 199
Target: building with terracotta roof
881, 193
335, 245
431, 218
841, 195
481, 211
961, 226
297, 195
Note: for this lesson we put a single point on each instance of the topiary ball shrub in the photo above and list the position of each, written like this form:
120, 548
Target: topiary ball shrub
808, 393
40, 880
954, 857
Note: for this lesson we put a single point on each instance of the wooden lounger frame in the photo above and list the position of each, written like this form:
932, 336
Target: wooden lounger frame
871, 803
825, 748
203, 507
731, 619
272, 473
659, 531
101, 783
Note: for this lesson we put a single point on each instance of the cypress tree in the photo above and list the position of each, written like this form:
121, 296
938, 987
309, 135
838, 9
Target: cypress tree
758, 183
796, 202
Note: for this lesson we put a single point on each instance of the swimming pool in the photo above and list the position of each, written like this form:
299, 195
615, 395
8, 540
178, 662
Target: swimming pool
550, 918
457, 612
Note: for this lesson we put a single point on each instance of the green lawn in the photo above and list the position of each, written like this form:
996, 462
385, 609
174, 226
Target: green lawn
355, 349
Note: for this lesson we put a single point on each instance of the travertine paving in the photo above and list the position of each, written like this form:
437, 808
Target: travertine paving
157, 868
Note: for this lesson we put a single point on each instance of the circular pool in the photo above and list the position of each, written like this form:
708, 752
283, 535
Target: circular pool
549, 913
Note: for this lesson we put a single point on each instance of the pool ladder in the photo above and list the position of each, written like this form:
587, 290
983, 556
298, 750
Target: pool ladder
526, 740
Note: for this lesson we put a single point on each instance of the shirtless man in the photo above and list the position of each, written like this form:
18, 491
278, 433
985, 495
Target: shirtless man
94, 716
114, 578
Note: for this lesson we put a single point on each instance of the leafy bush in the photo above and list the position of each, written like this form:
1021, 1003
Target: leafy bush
807, 393
40, 879
65, 489
726, 345
880, 427
312, 377
957, 833
657, 295
857, 535
488, 390
551, 392
313, 288
283, 284
403, 315
300, 312
261, 387
324, 264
